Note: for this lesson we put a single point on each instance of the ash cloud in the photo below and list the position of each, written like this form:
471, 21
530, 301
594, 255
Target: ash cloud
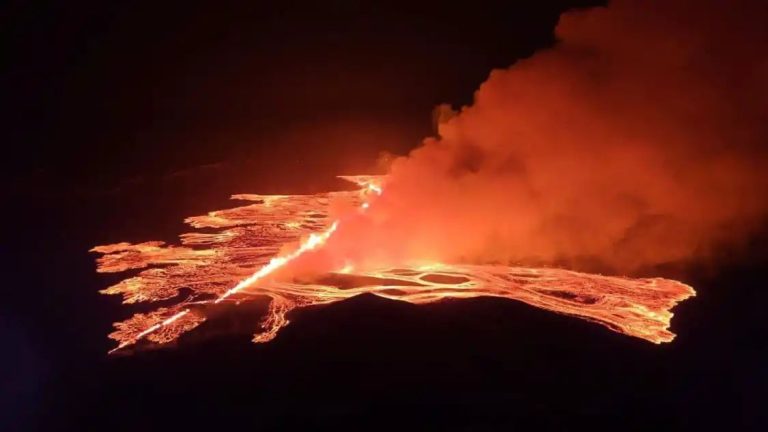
637, 140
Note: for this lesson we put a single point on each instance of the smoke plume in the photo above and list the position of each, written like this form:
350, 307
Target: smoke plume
637, 140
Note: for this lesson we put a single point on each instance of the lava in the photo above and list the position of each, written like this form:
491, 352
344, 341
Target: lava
219, 266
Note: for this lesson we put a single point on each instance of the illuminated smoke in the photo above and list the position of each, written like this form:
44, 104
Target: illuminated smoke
638, 140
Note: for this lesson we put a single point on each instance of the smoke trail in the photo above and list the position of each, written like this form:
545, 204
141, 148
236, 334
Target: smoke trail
639, 139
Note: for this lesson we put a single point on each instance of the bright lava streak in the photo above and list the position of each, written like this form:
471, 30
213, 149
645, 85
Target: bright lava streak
312, 242
155, 327
212, 265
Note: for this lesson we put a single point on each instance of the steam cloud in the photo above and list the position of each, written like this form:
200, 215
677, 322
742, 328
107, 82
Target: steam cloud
637, 140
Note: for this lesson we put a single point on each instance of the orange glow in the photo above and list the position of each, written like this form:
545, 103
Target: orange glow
214, 266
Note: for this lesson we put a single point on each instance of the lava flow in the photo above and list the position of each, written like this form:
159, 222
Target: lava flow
219, 266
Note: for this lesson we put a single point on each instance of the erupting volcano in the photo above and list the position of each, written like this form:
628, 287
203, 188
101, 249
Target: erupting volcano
218, 266
634, 142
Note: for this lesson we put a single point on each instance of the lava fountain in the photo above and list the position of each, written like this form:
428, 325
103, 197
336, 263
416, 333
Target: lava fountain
241, 254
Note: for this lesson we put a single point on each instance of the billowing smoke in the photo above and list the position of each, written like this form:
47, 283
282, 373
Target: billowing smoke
638, 140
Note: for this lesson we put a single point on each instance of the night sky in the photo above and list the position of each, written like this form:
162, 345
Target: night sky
119, 119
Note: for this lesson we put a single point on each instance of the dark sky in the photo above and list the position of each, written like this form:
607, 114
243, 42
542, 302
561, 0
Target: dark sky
102, 90
121, 118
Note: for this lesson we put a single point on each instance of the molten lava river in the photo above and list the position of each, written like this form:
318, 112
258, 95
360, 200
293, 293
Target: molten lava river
229, 260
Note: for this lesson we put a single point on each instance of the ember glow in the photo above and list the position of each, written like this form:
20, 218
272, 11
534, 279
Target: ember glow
242, 258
